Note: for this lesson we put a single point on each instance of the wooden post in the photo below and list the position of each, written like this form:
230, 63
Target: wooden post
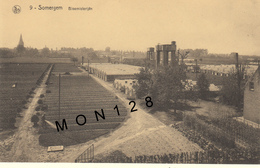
59, 97
88, 68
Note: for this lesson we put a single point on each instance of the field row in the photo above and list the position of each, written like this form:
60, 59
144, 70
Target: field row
17, 81
67, 138
80, 95
92, 126
72, 115
65, 68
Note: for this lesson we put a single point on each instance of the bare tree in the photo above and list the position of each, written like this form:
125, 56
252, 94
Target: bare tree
74, 59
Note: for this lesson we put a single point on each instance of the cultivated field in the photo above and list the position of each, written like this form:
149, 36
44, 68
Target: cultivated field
79, 95
65, 68
17, 80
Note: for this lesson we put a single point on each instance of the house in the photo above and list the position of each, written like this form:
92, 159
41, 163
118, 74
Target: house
252, 98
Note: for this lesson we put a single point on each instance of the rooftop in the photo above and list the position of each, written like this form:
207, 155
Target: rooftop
115, 69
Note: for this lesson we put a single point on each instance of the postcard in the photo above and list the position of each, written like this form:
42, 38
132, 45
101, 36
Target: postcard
130, 83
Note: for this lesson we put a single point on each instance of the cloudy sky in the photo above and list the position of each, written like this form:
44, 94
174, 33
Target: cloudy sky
221, 26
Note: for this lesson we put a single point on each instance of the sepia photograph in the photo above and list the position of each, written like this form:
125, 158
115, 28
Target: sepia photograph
134, 83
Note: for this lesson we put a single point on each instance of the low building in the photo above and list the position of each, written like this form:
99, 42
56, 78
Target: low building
252, 98
126, 86
110, 72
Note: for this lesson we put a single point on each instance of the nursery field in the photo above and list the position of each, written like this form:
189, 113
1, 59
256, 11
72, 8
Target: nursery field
16, 82
65, 68
79, 95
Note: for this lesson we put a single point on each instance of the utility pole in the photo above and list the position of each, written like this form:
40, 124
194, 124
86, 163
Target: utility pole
238, 80
196, 67
88, 68
59, 97
179, 54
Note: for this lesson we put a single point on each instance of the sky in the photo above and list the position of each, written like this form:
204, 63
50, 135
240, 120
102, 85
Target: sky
221, 26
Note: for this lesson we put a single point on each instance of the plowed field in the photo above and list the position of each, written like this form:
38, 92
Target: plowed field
79, 95
24, 76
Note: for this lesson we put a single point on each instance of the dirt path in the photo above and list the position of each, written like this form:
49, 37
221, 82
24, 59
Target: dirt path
26, 136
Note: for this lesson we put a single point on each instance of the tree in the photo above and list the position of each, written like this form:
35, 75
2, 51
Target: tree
183, 55
164, 85
167, 86
10, 122
107, 49
231, 93
45, 52
20, 49
144, 82
35, 120
203, 85
197, 53
92, 55
196, 68
32, 52
74, 59
6, 53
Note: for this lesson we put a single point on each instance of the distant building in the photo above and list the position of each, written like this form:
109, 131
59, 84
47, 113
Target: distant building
109, 72
21, 43
20, 47
252, 98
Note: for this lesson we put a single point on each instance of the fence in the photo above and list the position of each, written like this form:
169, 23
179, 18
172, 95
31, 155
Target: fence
202, 157
86, 156
225, 132
224, 157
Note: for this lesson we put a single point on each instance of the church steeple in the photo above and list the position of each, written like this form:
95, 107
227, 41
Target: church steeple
20, 47
21, 41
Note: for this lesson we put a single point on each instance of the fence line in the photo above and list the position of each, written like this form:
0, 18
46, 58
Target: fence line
202, 157
225, 131
86, 156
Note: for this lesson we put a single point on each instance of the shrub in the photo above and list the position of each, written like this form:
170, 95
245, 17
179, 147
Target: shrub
209, 131
29, 96
48, 91
11, 122
67, 73
24, 102
35, 120
40, 101
19, 110
42, 96
203, 85
31, 92
38, 108
44, 107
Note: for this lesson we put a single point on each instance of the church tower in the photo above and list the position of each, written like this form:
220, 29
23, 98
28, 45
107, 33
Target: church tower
21, 41
20, 47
